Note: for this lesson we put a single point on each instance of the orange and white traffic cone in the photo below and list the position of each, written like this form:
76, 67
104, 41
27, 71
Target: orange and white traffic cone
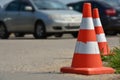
102, 42
87, 59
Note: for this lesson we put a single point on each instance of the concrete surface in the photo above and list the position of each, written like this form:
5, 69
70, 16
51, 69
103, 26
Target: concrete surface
31, 59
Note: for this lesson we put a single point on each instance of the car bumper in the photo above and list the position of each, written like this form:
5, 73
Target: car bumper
111, 23
63, 27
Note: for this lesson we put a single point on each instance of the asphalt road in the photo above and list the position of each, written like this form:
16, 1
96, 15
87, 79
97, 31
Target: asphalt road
31, 59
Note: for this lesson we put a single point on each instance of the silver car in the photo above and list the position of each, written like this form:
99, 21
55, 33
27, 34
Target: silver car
41, 18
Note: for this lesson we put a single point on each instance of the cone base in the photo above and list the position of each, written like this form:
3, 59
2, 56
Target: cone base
88, 71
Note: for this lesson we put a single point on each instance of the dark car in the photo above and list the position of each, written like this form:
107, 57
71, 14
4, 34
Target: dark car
109, 14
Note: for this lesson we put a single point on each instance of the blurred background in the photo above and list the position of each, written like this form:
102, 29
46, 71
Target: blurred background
68, 15
64, 1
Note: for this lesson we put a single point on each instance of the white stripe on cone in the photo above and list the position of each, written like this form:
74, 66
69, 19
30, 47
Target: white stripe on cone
87, 23
87, 48
97, 22
101, 37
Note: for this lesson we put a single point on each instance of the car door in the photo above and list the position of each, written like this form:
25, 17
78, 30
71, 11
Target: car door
12, 16
27, 18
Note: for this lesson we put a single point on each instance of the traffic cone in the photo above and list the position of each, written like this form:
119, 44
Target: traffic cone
102, 42
87, 59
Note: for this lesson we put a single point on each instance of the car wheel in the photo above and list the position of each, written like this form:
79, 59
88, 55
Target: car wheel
58, 35
40, 32
3, 32
19, 34
75, 35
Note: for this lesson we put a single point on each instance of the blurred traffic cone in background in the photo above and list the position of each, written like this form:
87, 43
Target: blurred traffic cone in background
102, 42
87, 59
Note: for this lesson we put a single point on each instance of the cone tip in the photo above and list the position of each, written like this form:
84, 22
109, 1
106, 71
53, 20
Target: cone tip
95, 13
88, 4
87, 10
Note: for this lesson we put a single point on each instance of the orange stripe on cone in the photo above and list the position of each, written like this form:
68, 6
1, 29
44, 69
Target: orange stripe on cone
103, 46
88, 36
99, 30
86, 59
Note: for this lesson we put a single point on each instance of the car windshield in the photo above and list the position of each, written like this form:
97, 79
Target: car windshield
49, 4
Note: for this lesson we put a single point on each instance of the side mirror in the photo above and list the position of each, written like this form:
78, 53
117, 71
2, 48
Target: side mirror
28, 8
70, 7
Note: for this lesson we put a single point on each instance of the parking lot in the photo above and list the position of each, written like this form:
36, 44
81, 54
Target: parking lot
31, 59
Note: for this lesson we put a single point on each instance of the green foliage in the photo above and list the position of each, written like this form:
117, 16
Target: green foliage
113, 60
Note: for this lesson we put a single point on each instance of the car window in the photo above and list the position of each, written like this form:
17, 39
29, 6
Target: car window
78, 6
97, 5
13, 6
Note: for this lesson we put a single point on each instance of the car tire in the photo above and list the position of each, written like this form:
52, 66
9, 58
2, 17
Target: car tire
75, 35
40, 32
19, 34
58, 35
3, 32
